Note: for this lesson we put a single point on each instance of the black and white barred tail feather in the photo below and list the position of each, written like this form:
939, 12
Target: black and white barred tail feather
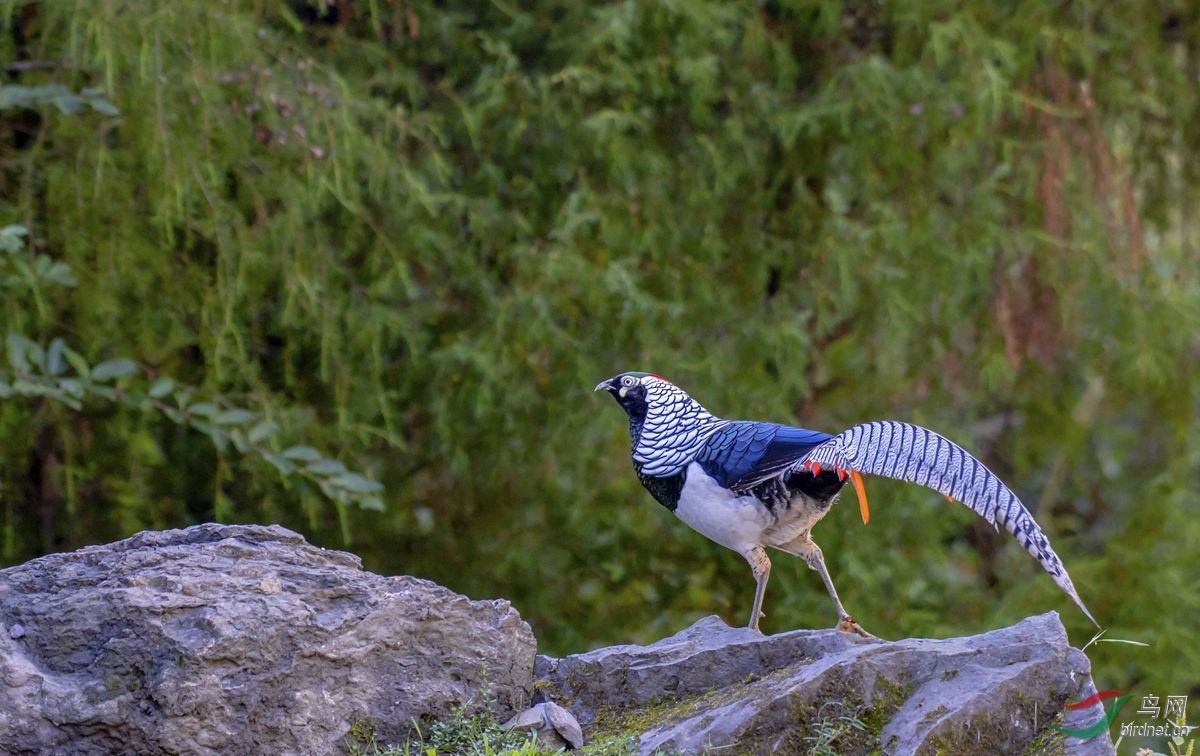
911, 453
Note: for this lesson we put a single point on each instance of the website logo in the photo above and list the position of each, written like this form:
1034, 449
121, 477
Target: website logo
1175, 708
1105, 721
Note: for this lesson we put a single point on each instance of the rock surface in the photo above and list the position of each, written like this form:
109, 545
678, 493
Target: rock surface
237, 640
713, 686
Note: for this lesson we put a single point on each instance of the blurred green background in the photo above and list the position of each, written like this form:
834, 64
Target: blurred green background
269, 238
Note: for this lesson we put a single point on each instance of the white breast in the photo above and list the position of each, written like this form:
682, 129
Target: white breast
736, 522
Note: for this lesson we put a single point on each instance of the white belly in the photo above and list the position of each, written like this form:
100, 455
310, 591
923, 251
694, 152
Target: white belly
736, 522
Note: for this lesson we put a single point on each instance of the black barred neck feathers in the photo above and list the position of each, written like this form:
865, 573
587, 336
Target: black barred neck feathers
673, 431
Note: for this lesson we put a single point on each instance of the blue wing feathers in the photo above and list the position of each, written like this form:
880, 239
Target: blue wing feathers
744, 453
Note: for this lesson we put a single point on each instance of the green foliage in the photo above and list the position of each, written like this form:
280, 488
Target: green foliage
461, 734
43, 372
427, 230
829, 735
59, 373
476, 735
68, 102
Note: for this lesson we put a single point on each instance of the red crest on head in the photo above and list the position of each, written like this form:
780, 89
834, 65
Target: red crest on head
659, 377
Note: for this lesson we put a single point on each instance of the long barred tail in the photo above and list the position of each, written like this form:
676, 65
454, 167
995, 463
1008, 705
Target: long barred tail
909, 452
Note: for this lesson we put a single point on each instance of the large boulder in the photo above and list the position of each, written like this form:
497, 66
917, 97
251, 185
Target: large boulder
716, 687
237, 640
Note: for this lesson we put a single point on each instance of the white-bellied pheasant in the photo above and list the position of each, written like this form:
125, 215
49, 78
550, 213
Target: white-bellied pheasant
749, 485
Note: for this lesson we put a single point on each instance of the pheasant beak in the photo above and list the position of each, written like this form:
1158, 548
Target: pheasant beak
602, 386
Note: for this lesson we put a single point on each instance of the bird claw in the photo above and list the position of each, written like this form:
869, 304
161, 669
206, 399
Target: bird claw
754, 623
848, 624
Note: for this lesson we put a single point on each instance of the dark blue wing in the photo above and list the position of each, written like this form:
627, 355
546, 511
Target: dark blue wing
745, 453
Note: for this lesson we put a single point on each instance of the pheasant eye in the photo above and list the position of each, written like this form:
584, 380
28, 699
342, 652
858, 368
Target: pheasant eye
627, 381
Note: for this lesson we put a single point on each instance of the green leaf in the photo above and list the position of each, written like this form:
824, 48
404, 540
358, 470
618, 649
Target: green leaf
161, 387
373, 503
70, 401
262, 431
284, 466
98, 102
238, 439
28, 388
55, 362
235, 416
72, 386
37, 355
18, 352
77, 362
10, 238
105, 107
355, 483
202, 409
111, 369
104, 392
327, 467
60, 273
302, 453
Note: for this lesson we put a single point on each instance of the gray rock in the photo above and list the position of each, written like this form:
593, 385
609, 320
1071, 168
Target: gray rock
713, 686
696, 660
238, 640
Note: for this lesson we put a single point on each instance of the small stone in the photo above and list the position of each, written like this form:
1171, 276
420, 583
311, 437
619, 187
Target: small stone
16, 631
556, 727
530, 719
564, 723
